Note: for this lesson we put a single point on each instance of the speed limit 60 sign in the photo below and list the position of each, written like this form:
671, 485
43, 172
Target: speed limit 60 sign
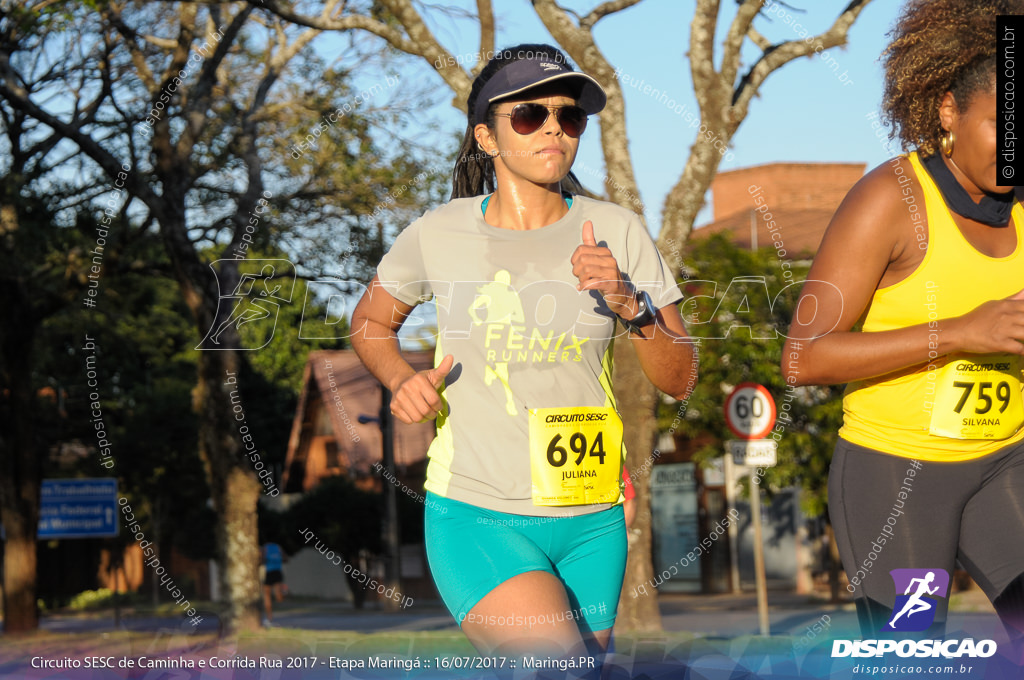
750, 411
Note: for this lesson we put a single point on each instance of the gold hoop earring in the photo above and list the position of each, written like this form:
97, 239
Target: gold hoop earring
946, 143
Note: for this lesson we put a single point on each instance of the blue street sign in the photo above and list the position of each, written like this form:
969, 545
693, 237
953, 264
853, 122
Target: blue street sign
78, 508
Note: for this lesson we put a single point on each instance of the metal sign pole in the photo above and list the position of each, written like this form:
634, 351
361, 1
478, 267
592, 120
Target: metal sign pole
762, 585
392, 542
750, 414
733, 530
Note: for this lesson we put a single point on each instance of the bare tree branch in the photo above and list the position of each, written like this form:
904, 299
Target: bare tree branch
702, 50
579, 43
201, 91
420, 41
485, 13
138, 58
603, 10
773, 59
724, 103
326, 22
429, 48
733, 42
19, 98
755, 36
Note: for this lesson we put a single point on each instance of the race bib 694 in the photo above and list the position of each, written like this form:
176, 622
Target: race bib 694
575, 455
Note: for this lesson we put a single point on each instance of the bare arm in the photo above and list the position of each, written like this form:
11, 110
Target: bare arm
375, 323
871, 243
666, 354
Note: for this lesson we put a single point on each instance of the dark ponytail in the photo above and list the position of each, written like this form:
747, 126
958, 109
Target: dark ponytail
474, 169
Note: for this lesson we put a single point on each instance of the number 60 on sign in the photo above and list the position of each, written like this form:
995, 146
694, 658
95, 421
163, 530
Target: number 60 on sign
750, 411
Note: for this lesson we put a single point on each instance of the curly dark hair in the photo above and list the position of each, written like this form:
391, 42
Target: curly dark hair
938, 46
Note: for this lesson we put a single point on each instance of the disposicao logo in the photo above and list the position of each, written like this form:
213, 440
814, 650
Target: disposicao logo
915, 608
918, 594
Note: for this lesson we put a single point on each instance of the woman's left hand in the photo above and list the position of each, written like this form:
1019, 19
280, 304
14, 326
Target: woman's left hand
596, 269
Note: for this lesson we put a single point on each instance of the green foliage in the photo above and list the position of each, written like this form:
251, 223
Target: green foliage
92, 599
144, 366
281, 361
101, 598
741, 317
272, 371
343, 516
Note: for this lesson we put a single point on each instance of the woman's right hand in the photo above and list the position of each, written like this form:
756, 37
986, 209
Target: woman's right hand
993, 326
416, 400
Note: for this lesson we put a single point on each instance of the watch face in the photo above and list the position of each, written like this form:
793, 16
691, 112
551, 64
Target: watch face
645, 312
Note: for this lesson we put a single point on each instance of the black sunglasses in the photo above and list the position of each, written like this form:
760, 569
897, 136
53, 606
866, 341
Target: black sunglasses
529, 117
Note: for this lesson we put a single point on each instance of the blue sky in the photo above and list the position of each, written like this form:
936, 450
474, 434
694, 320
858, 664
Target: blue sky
803, 112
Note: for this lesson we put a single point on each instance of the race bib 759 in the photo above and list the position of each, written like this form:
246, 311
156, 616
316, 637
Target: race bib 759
978, 398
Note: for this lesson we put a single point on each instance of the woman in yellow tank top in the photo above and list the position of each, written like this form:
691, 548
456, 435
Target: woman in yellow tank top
927, 251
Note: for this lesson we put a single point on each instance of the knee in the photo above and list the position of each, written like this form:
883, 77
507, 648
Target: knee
1009, 604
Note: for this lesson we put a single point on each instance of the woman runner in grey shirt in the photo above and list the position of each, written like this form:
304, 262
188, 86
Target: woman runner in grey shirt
525, 536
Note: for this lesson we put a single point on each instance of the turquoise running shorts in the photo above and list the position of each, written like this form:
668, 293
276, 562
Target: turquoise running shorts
472, 550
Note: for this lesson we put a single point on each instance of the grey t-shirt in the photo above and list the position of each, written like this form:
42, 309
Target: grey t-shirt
521, 334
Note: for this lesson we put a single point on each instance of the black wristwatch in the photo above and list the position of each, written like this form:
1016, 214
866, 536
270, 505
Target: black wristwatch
645, 315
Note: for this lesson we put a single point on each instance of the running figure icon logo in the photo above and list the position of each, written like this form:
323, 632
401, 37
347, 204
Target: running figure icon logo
497, 305
921, 589
263, 286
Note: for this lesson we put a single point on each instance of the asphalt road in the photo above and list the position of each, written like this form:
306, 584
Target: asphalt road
716, 616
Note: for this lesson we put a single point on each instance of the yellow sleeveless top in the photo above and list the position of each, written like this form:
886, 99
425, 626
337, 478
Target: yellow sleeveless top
958, 406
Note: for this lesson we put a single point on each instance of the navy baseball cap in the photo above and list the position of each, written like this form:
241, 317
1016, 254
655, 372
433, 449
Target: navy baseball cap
524, 74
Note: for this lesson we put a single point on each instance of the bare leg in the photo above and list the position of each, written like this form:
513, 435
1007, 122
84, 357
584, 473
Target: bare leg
525, 615
598, 640
268, 613
903, 611
529, 615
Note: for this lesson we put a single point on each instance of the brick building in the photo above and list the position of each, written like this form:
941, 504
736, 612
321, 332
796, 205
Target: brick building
790, 203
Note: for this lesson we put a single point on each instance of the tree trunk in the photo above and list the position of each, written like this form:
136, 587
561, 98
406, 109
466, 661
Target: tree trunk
239, 545
686, 198
234, 486
20, 473
20, 615
637, 399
